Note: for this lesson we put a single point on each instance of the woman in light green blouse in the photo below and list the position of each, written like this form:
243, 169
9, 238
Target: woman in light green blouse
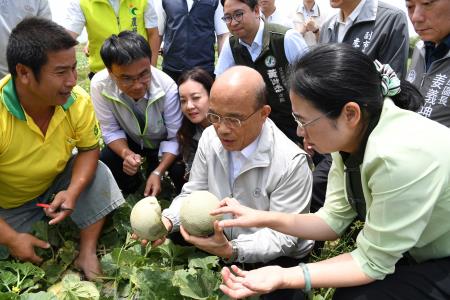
391, 168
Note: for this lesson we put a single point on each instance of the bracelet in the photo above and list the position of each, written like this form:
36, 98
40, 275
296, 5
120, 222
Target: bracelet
307, 290
157, 173
316, 31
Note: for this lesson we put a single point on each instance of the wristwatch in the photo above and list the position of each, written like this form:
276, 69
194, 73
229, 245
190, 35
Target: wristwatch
234, 253
157, 173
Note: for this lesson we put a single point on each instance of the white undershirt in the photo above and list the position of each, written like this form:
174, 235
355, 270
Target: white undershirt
238, 159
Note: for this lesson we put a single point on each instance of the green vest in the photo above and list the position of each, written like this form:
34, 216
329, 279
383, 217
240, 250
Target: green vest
102, 22
273, 65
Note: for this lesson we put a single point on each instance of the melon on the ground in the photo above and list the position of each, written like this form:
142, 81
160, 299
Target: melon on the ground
146, 221
195, 213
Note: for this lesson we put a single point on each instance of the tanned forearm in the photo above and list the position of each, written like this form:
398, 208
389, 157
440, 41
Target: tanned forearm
8, 233
83, 171
166, 161
120, 147
154, 43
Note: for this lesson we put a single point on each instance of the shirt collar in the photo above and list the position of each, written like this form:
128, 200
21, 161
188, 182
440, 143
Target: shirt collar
258, 40
355, 13
247, 151
12, 103
126, 97
433, 52
313, 12
445, 43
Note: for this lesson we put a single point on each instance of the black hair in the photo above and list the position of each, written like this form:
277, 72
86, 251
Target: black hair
31, 41
331, 75
261, 95
187, 129
251, 3
124, 48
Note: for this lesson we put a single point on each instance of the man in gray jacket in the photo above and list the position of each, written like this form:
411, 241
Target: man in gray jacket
430, 65
376, 28
139, 112
245, 156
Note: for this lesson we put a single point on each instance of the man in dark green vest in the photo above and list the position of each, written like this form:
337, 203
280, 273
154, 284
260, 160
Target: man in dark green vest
268, 48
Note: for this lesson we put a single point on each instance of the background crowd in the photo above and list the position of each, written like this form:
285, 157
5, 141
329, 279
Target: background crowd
301, 121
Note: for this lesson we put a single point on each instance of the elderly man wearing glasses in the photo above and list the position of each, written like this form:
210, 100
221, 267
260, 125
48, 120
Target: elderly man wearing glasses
139, 113
245, 156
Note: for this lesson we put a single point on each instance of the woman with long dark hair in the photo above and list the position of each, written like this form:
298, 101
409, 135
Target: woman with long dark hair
391, 168
194, 87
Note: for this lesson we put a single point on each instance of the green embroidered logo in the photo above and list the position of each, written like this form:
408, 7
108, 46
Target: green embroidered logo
133, 12
133, 9
96, 131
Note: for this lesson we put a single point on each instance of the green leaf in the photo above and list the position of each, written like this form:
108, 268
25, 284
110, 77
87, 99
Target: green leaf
7, 278
4, 252
121, 220
122, 257
109, 267
28, 283
38, 296
197, 284
155, 284
203, 262
53, 270
68, 252
9, 296
72, 288
28, 269
177, 255
40, 230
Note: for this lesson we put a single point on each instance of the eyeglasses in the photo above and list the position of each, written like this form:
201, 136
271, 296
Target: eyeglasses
302, 125
230, 122
237, 16
144, 77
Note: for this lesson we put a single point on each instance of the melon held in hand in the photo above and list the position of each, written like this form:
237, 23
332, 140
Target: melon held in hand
195, 213
146, 221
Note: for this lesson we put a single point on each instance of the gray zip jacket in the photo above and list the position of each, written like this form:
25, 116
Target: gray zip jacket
380, 31
275, 178
434, 84
117, 120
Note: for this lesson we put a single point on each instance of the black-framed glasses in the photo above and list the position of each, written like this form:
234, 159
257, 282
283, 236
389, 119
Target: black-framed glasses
230, 122
144, 77
302, 125
237, 16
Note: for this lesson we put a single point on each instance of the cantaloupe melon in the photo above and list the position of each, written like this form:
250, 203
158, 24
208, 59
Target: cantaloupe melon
146, 221
195, 213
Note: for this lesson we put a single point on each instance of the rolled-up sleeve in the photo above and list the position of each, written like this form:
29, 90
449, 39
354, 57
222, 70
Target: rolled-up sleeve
44, 10
403, 197
74, 19
172, 118
226, 59
219, 25
336, 211
294, 45
111, 129
150, 15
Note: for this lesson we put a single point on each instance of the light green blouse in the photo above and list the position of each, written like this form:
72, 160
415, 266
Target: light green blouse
405, 178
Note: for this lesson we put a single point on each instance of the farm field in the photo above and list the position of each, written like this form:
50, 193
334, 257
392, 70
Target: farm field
131, 271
